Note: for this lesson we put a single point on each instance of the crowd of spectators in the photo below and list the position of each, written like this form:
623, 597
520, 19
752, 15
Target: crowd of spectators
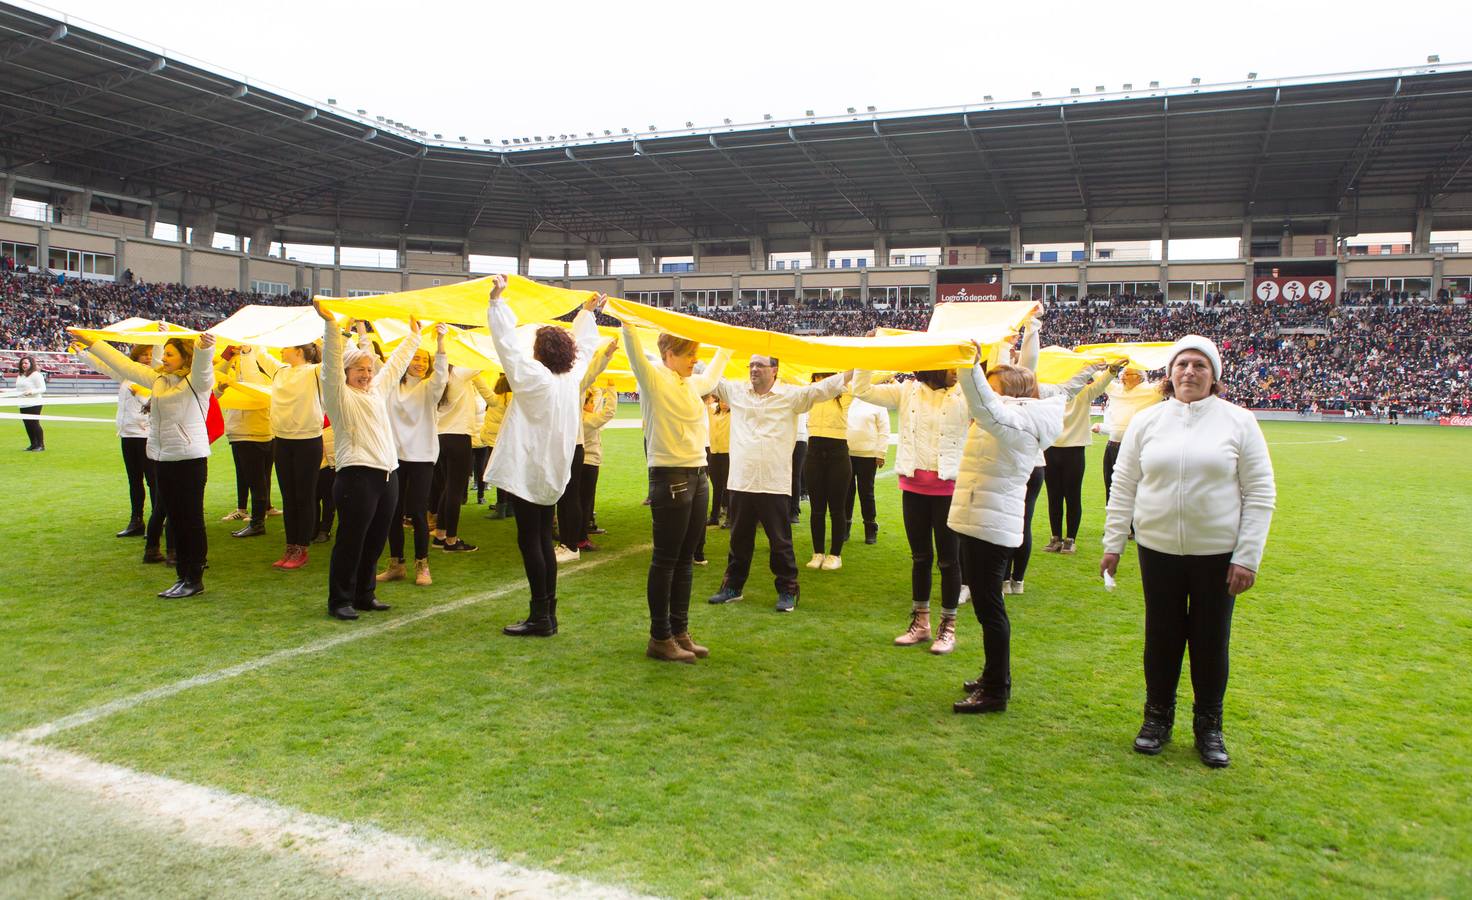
1373, 357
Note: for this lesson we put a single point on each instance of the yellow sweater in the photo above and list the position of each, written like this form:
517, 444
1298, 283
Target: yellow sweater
829, 419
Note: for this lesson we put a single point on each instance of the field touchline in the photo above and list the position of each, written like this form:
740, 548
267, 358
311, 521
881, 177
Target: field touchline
123, 704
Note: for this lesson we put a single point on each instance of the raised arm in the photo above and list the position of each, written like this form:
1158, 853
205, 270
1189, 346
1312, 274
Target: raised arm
1101, 382
1028, 357
603, 410
113, 362
706, 381
585, 336
523, 372
990, 413
810, 395
638, 362
332, 387
886, 395
599, 364
398, 361
268, 363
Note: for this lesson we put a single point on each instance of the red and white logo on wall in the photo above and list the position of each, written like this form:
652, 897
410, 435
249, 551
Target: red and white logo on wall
1294, 289
961, 293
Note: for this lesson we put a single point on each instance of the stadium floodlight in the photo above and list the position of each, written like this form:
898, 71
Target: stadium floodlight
808, 113
727, 121
539, 138
331, 101
462, 138
1037, 94
362, 112
57, 33
240, 91
987, 98
1099, 88
157, 65
439, 137
851, 110
1073, 91
766, 117
1129, 86
1434, 58
1195, 80
1154, 84
870, 109
485, 140
309, 115
1251, 76
370, 134
504, 142
692, 124
378, 118
624, 130
607, 132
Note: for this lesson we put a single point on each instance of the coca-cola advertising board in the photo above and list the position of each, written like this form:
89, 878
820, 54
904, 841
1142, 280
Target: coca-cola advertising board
1294, 289
961, 293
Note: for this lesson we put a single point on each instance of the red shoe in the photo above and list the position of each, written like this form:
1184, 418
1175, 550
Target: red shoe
284, 557
296, 561
587, 545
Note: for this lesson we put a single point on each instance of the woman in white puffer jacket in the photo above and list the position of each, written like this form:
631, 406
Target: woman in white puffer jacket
1009, 426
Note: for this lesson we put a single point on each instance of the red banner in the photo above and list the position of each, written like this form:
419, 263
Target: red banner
1460, 421
1294, 289
961, 293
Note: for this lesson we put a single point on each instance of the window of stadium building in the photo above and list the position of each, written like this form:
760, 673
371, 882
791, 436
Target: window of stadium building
1124, 288
19, 254
767, 298
899, 297
1457, 288
272, 288
78, 262
1048, 292
1206, 291
654, 298
1402, 288
365, 293
706, 299
832, 298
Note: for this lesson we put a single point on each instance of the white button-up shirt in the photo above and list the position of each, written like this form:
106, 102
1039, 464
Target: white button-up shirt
764, 431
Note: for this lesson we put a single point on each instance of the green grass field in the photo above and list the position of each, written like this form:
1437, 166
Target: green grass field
807, 756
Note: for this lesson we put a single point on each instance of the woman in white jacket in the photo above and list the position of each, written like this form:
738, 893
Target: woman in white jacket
455, 421
296, 429
932, 425
1010, 424
411, 412
132, 426
1194, 477
868, 447
178, 442
29, 382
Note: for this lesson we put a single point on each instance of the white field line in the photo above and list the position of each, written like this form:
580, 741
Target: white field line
361, 853
1333, 439
46, 417
358, 633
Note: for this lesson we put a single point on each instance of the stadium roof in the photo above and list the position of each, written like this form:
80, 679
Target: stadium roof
81, 106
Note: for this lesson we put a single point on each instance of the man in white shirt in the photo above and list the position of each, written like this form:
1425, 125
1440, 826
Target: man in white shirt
763, 435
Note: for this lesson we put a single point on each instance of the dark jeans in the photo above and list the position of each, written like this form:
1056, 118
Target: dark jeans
588, 492
181, 484
135, 461
572, 527
1064, 475
479, 456
720, 472
34, 434
1186, 605
1022, 555
326, 506
414, 478
799, 458
1111, 453
297, 463
986, 567
861, 485
677, 498
365, 500
455, 458
771, 512
828, 474
538, 553
252, 477
159, 523
925, 524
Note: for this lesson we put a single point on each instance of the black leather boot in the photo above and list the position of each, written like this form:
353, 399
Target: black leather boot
552, 613
1209, 742
1155, 732
871, 532
538, 623
134, 529
982, 700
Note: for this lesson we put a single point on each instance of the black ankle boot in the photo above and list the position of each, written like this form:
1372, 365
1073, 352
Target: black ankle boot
552, 613
134, 529
1155, 732
871, 533
1209, 742
538, 623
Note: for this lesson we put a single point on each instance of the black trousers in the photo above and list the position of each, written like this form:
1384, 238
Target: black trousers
771, 512
413, 501
799, 459
181, 484
501, 495
861, 485
827, 477
538, 553
925, 527
1017, 568
252, 477
986, 567
588, 492
34, 434
1186, 605
1064, 475
326, 507
297, 462
135, 462
455, 457
365, 499
719, 467
159, 523
677, 498
479, 456
1111, 453
572, 527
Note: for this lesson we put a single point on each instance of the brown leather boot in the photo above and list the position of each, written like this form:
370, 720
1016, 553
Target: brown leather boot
421, 573
394, 572
918, 631
668, 651
683, 639
945, 641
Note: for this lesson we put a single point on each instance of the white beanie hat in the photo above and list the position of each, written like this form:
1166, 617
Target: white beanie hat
354, 355
1203, 345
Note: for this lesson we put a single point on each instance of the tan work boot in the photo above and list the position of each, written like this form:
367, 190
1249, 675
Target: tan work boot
686, 644
394, 572
1053, 546
421, 573
918, 631
668, 651
945, 641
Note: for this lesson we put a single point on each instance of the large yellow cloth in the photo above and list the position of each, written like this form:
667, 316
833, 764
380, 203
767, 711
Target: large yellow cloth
270, 326
1143, 355
463, 303
981, 318
137, 331
240, 395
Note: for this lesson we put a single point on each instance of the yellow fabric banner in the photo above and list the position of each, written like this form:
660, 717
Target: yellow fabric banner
1143, 355
463, 303
246, 396
980, 317
136, 331
270, 326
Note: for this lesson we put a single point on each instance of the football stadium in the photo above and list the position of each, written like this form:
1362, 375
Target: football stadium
1059, 495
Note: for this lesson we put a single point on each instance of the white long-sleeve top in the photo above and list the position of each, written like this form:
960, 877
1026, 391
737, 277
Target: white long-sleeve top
605, 405
361, 433
932, 426
178, 405
764, 430
457, 415
675, 428
1126, 403
1196, 480
534, 449
1001, 448
132, 417
868, 430
30, 385
411, 412
296, 398
1076, 420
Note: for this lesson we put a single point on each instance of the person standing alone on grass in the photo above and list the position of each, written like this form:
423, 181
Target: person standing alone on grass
30, 383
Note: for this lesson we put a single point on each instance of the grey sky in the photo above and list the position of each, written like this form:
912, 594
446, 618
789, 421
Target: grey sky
511, 69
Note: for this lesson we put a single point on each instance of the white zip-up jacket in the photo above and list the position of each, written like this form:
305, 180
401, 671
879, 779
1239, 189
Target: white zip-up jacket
1196, 480
868, 430
361, 433
1006, 433
411, 411
32, 385
296, 398
605, 405
176, 429
932, 424
132, 418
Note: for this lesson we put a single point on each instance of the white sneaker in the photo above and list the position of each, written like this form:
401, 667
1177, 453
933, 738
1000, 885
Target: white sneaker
565, 555
1017, 588
965, 595
832, 563
1006, 588
239, 515
817, 561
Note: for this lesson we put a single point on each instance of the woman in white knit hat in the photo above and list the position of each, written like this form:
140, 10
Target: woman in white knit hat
1194, 477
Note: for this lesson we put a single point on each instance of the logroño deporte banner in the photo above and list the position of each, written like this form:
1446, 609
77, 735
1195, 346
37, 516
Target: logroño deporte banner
961, 293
